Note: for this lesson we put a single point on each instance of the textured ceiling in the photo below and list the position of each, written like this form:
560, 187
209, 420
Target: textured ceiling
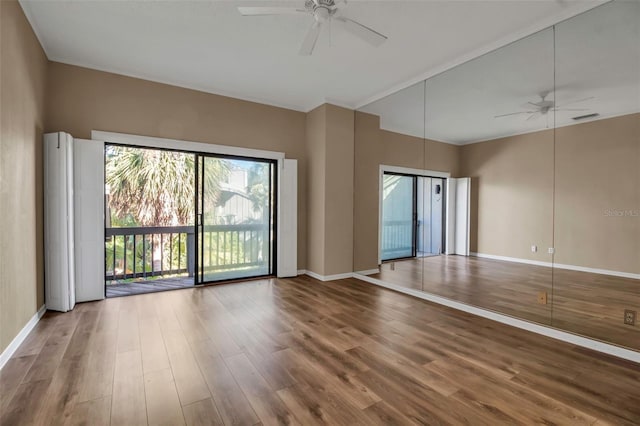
209, 46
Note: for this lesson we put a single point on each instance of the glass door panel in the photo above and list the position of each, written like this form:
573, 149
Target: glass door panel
235, 225
430, 216
398, 217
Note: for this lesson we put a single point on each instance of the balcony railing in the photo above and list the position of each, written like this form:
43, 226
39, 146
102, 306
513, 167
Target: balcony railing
397, 239
145, 252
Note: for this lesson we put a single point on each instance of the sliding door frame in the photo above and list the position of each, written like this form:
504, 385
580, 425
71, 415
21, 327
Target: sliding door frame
402, 171
199, 215
414, 216
196, 148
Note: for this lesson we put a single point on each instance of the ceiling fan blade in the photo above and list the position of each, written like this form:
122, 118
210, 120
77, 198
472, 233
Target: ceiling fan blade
578, 101
310, 40
571, 109
365, 33
534, 115
514, 113
260, 11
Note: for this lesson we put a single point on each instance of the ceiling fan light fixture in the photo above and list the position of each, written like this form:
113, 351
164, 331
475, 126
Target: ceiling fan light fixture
323, 12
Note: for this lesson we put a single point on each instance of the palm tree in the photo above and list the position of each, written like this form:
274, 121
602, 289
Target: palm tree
157, 187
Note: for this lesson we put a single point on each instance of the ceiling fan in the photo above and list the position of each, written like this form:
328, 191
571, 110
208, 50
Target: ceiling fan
324, 12
543, 106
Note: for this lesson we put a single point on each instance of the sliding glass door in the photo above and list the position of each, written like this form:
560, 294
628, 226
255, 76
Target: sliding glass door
235, 218
398, 216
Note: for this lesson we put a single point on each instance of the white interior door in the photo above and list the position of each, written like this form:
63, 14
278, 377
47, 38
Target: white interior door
88, 158
288, 219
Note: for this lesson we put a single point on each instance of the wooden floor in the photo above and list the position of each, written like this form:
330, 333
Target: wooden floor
584, 303
300, 351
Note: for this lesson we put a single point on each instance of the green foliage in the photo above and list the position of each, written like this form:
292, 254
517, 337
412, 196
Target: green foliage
258, 186
156, 187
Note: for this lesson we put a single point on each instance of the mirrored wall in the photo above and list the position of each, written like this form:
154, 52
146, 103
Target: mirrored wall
512, 182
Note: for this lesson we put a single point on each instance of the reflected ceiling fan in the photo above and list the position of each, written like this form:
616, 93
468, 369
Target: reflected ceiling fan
543, 106
324, 12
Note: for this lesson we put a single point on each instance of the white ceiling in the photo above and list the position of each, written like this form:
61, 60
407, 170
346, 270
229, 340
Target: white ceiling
597, 55
208, 46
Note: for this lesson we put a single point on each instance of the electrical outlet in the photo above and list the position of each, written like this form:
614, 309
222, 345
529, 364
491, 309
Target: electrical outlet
542, 297
629, 317
551, 250
534, 249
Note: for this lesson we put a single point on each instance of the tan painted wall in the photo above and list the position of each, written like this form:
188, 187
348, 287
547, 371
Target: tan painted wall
374, 147
597, 168
339, 190
316, 153
23, 68
81, 100
330, 190
598, 171
512, 195
368, 150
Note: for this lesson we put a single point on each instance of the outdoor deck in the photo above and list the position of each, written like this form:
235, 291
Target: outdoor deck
148, 286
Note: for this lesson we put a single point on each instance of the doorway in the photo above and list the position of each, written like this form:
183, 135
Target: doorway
413, 216
430, 216
176, 219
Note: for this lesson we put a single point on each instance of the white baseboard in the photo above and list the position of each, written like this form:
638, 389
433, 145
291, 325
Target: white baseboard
598, 271
511, 259
329, 277
17, 341
368, 271
554, 333
559, 266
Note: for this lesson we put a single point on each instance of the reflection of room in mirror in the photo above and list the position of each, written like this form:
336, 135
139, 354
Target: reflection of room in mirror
548, 130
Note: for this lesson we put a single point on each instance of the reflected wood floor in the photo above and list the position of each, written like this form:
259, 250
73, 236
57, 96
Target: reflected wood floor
584, 303
300, 351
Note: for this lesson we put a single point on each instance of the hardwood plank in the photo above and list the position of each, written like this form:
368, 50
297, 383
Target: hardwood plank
163, 404
266, 403
128, 329
232, 404
202, 413
95, 413
62, 394
97, 380
316, 376
382, 413
34, 342
11, 376
189, 382
25, 404
152, 347
306, 408
50, 356
128, 402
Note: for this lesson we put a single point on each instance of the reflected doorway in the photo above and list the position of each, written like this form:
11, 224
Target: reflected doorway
430, 213
413, 216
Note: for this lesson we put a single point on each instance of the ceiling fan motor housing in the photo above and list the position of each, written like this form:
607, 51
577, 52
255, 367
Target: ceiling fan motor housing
312, 4
322, 9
